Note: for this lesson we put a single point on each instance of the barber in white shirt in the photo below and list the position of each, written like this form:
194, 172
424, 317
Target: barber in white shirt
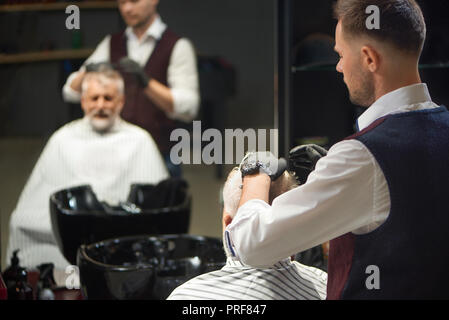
163, 73
378, 194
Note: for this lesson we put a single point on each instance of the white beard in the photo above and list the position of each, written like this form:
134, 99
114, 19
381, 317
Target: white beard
102, 125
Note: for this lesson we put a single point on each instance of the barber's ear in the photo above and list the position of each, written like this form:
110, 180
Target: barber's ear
370, 58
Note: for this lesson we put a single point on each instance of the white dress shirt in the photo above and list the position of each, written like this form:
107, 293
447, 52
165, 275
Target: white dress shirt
347, 192
182, 73
77, 155
286, 280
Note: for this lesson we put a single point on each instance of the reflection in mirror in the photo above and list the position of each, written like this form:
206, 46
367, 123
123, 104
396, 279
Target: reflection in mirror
197, 60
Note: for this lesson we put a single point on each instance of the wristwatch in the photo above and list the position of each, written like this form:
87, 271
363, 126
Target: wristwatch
254, 167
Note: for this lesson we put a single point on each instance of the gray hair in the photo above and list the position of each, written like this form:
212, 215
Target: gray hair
104, 77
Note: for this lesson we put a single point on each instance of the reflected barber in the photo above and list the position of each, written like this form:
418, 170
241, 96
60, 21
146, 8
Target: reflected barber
159, 68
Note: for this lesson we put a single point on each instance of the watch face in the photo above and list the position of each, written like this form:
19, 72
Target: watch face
250, 168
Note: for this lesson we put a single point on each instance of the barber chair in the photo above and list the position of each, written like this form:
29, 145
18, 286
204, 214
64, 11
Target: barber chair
145, 267
78, 217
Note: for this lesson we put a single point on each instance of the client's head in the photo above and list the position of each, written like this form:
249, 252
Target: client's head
102, 97
232, 191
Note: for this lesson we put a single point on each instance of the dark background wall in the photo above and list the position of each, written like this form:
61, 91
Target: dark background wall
242, 32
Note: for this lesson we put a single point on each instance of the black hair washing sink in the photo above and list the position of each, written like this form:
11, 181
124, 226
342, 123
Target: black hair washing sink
78, 217
145, 267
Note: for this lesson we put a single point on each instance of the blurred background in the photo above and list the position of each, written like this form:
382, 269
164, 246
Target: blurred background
234, 42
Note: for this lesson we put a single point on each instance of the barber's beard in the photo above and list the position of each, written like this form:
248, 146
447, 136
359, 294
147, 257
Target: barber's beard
363, 92
102, 121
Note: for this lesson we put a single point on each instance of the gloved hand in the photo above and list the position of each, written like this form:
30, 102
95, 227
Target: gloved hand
98, 66
302, 159
131, 66
263, 161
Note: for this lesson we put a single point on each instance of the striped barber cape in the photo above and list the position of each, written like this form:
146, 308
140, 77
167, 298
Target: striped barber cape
286, 280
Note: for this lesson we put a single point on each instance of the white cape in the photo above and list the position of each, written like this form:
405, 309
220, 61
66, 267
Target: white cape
76, 155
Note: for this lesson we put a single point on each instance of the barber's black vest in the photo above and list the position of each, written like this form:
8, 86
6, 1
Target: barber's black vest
139, 109
410, 250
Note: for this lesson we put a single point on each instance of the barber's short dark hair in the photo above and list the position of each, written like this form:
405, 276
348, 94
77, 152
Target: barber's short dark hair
401, 22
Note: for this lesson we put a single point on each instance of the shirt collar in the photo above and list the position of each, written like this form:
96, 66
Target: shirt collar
233, 262
155, 30
393, 102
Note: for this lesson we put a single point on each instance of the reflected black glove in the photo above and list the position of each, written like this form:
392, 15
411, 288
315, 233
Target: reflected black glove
263, 161
130, 66
302, 159
98, 66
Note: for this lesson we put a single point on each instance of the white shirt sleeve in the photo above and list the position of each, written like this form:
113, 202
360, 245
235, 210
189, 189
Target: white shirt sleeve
182, 78
346, 192
100, 54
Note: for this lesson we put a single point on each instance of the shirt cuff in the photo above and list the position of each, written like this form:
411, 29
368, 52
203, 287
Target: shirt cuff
68, 93
185, 104
244, 213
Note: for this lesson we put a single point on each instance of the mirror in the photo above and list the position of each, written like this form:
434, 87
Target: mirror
233, 42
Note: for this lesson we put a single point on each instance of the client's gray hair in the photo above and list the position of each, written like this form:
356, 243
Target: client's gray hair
104, 76
232, 190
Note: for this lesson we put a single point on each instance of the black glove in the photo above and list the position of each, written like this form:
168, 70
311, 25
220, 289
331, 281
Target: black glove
130, 66
263, 161
302, 159
98, 66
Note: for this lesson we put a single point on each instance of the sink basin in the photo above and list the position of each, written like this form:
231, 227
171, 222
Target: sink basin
145, 267
78, 217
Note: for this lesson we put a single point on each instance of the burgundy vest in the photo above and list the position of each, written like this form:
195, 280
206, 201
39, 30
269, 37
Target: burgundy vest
409, 249
341, 249
139, 109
